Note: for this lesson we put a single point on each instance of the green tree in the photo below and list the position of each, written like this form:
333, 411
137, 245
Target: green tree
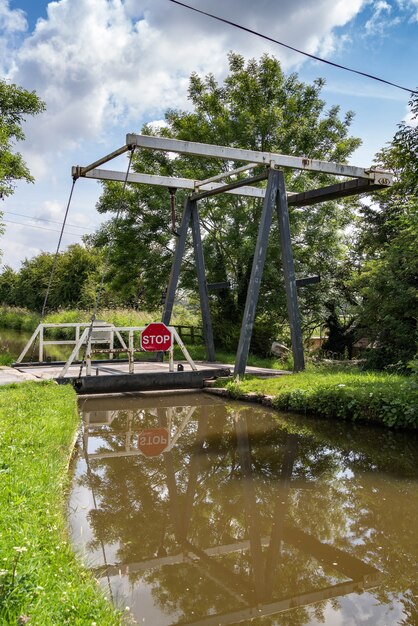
8, 282
74, 283
15, 104
388, 275
257, 107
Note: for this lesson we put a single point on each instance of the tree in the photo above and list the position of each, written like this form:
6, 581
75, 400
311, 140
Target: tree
8, 282
388, 276
15, 104
257, 107
74, 283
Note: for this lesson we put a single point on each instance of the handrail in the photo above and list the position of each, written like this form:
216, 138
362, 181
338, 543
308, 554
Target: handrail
102, 334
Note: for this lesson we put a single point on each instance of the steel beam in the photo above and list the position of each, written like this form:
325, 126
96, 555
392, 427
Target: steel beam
201, 279
289, 275
256, 273
305, 198
309, 280
79, 170
167, 181
270, 159
230, 186
228, 173
332, 192
176, 266
147, 381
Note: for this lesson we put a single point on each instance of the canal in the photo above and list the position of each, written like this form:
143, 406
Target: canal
191, 510
14, 341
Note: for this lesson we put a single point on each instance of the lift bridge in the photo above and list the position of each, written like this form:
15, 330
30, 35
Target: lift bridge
351, 180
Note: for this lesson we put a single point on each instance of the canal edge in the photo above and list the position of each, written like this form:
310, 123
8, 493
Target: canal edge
254, 397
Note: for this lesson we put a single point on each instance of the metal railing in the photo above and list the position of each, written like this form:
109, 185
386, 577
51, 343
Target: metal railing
102, 334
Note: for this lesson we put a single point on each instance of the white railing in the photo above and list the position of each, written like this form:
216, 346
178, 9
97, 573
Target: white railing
102, 334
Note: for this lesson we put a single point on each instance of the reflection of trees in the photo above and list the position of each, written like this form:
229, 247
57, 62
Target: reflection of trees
233, 477
377, 500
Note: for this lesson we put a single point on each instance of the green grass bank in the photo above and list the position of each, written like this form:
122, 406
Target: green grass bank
42, 581
23, 319
374, 397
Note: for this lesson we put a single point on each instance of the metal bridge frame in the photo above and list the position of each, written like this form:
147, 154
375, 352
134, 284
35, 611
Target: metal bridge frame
274, 196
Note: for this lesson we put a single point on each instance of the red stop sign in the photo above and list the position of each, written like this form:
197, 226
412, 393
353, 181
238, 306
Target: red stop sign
153, 441
156, 337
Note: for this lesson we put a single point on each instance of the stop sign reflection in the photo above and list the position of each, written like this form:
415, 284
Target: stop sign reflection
156, 337
153, 441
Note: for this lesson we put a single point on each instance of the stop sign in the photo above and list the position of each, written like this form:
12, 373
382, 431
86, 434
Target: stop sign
153, 441
156, 337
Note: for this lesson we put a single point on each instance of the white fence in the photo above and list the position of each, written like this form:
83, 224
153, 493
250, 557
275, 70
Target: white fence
102, 334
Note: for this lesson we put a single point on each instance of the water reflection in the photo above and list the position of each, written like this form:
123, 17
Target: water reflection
217, 515
14, 341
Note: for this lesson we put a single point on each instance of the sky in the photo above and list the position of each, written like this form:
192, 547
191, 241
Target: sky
106, 67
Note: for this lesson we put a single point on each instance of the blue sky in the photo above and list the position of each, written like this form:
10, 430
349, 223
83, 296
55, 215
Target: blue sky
105, 67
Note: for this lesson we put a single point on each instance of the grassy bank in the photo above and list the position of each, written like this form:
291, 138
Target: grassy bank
198, 353
41, 580
22, 319
363, 396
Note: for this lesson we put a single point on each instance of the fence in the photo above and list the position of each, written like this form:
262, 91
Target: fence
189, 334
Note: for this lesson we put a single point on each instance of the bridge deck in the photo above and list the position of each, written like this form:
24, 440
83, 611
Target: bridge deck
113, 377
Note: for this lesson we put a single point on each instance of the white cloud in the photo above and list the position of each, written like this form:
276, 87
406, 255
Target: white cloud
12, 23
104, 67
411, 119
11, 20
124, 63
381, 20
411, 7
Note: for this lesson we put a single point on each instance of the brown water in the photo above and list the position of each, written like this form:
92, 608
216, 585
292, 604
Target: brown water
14, 341
247, 515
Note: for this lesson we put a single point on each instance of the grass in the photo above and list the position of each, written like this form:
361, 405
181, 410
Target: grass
18, 319
198, 353
6, 359
23, 319
42, 582
373, 397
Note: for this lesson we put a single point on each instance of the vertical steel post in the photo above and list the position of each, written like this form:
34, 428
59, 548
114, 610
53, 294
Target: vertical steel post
256, 273
41, 344
77, 337
203, 288
289, 276
176, 266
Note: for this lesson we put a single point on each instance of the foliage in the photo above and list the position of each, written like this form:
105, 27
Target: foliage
18, 319
389, 288
41, 580
257, 107
387, 279
15, 104
22, 319
6, 358
382, 398
74, 283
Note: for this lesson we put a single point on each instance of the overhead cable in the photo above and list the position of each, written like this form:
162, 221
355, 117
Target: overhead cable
285, 45
51, 230
57, 252
44, 219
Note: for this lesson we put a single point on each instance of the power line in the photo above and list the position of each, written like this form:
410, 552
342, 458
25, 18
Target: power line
285, 45
52, 230
43, 219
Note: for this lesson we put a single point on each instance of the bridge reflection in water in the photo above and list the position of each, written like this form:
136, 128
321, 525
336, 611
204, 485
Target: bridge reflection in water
232, 518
